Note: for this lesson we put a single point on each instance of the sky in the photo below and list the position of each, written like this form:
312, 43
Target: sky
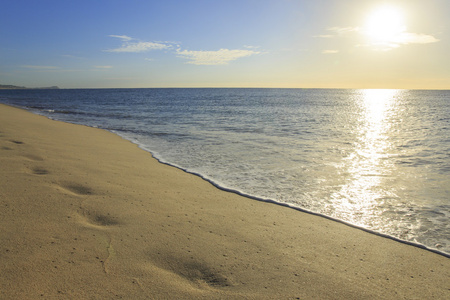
401, 44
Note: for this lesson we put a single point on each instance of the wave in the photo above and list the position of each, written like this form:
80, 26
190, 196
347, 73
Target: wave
271, 201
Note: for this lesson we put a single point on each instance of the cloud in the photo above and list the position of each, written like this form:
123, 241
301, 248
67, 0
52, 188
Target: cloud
401, 39
103, 67
219, 57
122, 37
129, 45
139, 47
342, 30
251, 47
330, 51
415, 38
394, 41
325, 36
338, 32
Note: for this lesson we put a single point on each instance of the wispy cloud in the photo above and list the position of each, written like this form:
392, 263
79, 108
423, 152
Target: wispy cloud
122, 37
325, 36
218, 57
415, 38
103, 67
132, 45
336, 31
251, 47
343, 30
401, 38
330, 51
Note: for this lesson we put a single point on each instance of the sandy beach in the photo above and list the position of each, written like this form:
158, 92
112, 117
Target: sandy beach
86, 214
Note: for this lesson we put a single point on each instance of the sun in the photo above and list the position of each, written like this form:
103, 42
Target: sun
385, 25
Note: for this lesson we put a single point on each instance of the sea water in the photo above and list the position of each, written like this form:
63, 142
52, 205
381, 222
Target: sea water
376, 159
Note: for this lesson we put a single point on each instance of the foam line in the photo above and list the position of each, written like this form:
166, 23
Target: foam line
271, 201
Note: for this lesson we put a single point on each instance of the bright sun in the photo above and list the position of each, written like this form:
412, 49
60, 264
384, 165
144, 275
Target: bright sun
385, 25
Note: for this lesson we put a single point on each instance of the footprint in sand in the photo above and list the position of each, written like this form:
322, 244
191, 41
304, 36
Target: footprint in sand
101, 220
97, 219
199, 272
29, 156
76, 188
39, 171
196, 272
11, 141
16, 142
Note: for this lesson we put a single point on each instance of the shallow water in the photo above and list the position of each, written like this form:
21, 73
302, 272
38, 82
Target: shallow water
378, 159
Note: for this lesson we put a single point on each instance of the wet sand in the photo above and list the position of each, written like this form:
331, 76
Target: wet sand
87, 215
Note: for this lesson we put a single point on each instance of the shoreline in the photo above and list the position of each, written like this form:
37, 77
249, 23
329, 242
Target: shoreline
287, 205
249, 196
256, 198
111, 221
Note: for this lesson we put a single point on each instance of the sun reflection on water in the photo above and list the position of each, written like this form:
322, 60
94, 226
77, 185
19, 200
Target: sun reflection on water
367, 165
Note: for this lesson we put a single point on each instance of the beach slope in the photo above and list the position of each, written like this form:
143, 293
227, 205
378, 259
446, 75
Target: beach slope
85, 214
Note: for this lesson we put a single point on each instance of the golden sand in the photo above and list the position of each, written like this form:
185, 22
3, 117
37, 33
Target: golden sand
85, 214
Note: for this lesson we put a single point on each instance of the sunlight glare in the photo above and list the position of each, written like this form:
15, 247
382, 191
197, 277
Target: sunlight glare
385, 25
367, 165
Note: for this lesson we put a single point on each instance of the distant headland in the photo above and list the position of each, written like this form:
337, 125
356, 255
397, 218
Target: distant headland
15, 87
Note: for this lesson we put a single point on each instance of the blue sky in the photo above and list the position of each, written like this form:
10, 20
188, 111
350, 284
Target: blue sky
211, 43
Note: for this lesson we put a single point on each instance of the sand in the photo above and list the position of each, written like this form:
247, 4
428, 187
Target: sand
87, 215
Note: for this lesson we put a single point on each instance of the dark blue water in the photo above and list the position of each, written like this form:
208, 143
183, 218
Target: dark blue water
378, 159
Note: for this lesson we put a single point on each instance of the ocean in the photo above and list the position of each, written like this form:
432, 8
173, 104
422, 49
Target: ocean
375, 159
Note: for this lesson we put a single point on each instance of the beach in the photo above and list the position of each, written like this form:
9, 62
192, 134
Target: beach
88, 215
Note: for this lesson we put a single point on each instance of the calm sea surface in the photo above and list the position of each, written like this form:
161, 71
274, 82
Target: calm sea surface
378, 159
